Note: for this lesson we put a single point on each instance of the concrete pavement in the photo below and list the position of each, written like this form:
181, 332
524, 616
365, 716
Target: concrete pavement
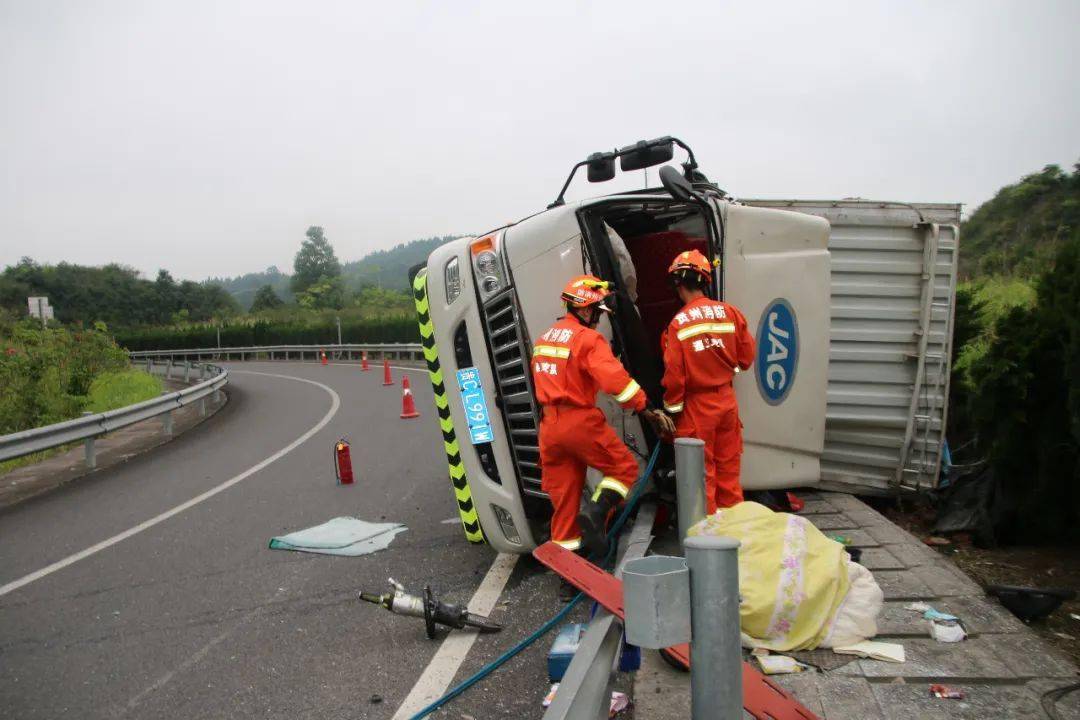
195, 617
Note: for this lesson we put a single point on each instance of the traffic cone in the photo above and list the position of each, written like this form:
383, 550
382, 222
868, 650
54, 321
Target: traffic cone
363, 362
387, 379
323, 353
408, 404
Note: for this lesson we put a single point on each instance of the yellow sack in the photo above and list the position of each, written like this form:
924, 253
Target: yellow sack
792, 578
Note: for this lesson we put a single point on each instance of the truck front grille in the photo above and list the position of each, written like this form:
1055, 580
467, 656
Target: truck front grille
510, 361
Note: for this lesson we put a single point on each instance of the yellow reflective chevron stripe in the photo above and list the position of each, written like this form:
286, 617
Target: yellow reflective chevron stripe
702, 328
470, 521
610, 483
574, 544
551, 351
628, 392
675, 408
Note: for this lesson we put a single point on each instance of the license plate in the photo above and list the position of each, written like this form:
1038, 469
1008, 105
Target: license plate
475, 405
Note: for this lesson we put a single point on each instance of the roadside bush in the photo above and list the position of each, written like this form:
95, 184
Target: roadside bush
1023, 402
280, 327
46, 374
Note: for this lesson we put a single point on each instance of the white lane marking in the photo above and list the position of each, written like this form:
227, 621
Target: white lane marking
147, 524
448, 658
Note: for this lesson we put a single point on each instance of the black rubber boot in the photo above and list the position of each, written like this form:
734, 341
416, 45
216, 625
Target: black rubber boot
593, 523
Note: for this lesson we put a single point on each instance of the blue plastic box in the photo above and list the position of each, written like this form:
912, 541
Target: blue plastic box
566, 644
563, 649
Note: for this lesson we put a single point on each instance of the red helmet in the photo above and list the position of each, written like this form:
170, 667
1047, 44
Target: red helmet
691, 261
586, 290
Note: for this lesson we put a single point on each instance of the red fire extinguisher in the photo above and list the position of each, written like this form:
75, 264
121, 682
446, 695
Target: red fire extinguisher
343, 462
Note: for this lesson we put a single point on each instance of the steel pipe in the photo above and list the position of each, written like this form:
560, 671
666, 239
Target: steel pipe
689, 482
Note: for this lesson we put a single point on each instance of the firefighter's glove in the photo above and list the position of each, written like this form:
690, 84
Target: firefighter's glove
660, 422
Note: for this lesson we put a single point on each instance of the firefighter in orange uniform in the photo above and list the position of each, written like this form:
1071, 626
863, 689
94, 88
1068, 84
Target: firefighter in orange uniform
571, 362
705, 344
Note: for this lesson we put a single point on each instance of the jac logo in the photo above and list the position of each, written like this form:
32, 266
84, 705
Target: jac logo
777, 351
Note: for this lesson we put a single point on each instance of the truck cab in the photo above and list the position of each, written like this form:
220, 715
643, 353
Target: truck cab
483, 300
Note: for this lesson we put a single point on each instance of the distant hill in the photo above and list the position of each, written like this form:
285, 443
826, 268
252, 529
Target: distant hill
1018, 231
383, 268
244, 287
390, 268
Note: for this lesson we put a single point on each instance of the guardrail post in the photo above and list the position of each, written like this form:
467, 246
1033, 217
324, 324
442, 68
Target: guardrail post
168, 369
89, 451
715, 648
167, 423
187, 371
202, 407
689, 482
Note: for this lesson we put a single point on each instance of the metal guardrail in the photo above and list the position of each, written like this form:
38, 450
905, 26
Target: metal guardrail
88, 427
585, 690
346, 351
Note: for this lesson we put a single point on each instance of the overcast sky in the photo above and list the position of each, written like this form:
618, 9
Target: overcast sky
205, 137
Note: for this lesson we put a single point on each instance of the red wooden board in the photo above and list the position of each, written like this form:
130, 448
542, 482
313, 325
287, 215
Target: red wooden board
762, 698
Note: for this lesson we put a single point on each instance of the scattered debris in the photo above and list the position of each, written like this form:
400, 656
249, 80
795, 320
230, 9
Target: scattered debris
1074, 616
946, 693
619, 702
918, 607
433, 610
947, 631
340, 536
937, 541
779, 664
889, 652
842, 539
375, 699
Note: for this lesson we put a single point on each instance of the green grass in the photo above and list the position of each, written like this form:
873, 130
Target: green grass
108, 391
113, 390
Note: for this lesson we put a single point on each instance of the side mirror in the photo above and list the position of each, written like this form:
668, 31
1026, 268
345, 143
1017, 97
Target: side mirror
601, 167
646, 153
679, 187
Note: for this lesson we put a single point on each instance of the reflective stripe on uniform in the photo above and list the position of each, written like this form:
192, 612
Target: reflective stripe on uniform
628, 392
574, 544
703, 328
677, 408
610, 483
551, 351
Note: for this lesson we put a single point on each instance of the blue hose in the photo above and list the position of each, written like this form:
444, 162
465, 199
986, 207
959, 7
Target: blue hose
628, 506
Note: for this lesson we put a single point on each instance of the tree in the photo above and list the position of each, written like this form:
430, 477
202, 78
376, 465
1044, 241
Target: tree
326, 293
266, 299
315, 262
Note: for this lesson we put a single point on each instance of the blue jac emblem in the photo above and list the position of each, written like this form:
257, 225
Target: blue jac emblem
777, 351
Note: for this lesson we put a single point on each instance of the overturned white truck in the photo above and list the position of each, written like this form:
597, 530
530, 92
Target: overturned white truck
850, 301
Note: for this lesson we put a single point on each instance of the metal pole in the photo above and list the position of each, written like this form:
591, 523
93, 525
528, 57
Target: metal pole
202, 407
168, 370
338, 321
689, 482
715, 649
187, 371
89, 450
167, 423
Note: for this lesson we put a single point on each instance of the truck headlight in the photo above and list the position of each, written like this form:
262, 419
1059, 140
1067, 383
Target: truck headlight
490, 275
452, 279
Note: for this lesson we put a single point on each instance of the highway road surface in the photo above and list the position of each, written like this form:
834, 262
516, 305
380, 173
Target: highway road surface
147, 590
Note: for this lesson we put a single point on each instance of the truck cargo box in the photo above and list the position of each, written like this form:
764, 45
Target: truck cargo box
893, 287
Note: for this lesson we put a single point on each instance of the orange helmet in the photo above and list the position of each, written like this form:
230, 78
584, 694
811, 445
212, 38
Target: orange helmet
691, 261
586, 290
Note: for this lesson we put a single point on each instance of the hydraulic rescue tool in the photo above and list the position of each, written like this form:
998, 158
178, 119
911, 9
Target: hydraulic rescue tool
433, 610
